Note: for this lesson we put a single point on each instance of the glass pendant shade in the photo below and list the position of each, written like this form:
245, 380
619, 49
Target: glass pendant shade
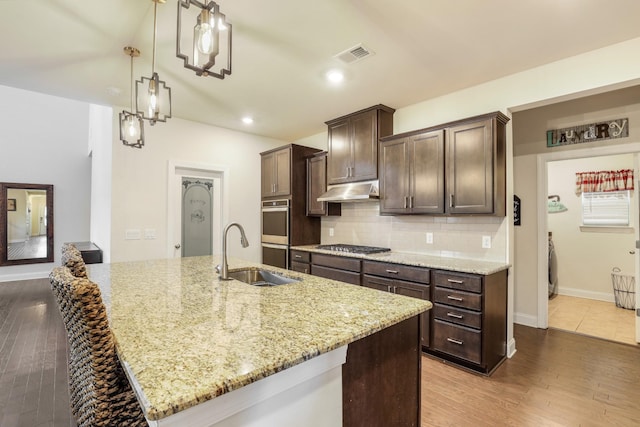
153, 99
208, 45
131, 129
131, 124
153, 96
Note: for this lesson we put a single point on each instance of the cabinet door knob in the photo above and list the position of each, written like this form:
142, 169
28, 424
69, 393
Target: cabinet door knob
451, 199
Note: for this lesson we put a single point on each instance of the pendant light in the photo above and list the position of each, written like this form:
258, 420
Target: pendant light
131, 124
153, 97
208, 43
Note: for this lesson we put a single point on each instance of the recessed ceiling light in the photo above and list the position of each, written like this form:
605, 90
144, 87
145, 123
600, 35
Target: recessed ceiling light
247, 120
335, 76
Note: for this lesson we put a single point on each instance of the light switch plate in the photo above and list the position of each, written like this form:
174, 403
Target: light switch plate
149, 233
132, 234
429, 237
486, 242
331, 231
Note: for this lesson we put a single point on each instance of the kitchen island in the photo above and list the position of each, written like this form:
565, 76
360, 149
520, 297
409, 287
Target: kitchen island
201, 351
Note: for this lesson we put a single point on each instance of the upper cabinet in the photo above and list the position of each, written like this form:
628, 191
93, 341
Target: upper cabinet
353, 144
412, 174
276, 173
317, 185
456, 168
284, 173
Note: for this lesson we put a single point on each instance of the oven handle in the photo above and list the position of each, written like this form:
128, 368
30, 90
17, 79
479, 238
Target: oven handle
276, 209
271, 245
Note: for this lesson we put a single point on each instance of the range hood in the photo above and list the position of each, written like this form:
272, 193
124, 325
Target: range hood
353, 192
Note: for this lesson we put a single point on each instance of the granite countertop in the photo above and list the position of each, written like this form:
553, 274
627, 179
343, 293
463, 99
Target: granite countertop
189, 337
420, 260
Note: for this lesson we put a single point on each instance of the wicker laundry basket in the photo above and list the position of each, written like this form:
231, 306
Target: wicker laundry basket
624, 289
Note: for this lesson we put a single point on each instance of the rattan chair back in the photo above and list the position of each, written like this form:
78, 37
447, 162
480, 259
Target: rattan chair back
100, 392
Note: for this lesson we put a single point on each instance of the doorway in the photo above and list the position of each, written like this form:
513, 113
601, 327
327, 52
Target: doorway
545, 308
196, 175
582, 297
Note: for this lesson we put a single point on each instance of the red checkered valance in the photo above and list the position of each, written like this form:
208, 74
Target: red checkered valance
601, 181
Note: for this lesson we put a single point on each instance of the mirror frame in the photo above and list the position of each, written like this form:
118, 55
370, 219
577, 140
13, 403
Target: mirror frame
4, 187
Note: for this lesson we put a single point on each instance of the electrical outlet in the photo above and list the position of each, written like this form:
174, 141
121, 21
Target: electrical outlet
149, 233
331, 231
429, 238
486, 242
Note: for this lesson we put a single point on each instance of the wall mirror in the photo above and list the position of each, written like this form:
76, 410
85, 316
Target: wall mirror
26, 223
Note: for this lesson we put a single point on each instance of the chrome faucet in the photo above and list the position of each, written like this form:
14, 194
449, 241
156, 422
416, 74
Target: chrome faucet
224, 270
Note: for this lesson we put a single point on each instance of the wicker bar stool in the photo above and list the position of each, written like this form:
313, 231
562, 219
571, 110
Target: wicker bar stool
72, 258
99, 389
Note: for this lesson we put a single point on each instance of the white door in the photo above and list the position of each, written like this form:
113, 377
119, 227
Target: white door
175, 217
636, 171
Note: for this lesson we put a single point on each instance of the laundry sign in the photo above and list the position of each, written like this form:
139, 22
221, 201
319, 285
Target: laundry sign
610, 129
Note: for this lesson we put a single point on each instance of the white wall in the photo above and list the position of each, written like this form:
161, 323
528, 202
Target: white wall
586, 258
100, 139
139, 183
44, 141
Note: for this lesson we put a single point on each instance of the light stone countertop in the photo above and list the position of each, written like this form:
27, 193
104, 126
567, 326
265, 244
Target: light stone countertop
189, 337
420, 260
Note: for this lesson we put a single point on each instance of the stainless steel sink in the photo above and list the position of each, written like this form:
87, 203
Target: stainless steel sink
258, 277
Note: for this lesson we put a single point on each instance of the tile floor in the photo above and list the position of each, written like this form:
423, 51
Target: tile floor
590, 317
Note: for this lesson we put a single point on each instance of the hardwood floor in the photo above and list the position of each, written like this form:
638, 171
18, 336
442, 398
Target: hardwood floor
555, 379
33, 357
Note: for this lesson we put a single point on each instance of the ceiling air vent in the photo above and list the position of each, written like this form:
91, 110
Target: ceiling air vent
354, 54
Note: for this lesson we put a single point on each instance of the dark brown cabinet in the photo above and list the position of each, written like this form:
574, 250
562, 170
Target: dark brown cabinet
317, 185
451, 169
333, 267
276, 173
476, 166
401, 280
412, 174
353, 144
300, 262
470, 318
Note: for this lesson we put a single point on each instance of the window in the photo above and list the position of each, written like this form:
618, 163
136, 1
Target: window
605, 209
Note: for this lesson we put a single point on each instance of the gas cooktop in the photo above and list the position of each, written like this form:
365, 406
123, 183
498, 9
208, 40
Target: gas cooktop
353, 249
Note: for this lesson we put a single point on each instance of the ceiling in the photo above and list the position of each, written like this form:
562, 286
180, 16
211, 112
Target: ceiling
283, 48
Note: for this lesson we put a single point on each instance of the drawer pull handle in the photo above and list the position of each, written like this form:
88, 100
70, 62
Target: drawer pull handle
455, 341
454, 298
392, 271
298, 256
455, 316
459, 282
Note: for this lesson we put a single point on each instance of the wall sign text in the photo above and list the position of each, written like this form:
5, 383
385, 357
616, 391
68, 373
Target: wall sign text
611, 129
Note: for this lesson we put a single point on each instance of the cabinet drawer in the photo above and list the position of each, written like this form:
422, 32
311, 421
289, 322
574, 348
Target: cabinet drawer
300, 256
402, 272
342, 263
462, 281
458, 298
332, 273
458, 341
300, 267
379, 283
458, 316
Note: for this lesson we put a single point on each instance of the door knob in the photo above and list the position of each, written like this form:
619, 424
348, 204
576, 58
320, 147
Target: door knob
632, 252
177, 246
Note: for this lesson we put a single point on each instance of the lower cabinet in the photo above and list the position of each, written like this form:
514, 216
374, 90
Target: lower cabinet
336, 267
401, 280
467, 325
469, 319
300, 262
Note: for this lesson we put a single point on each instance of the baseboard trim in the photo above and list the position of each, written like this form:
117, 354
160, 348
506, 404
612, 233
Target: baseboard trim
581, 293
511, 348
24, 276
525, 320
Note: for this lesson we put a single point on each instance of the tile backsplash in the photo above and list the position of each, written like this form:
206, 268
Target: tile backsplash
460, 236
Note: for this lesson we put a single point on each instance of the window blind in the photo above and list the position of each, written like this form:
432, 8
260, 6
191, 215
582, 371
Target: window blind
606, 209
